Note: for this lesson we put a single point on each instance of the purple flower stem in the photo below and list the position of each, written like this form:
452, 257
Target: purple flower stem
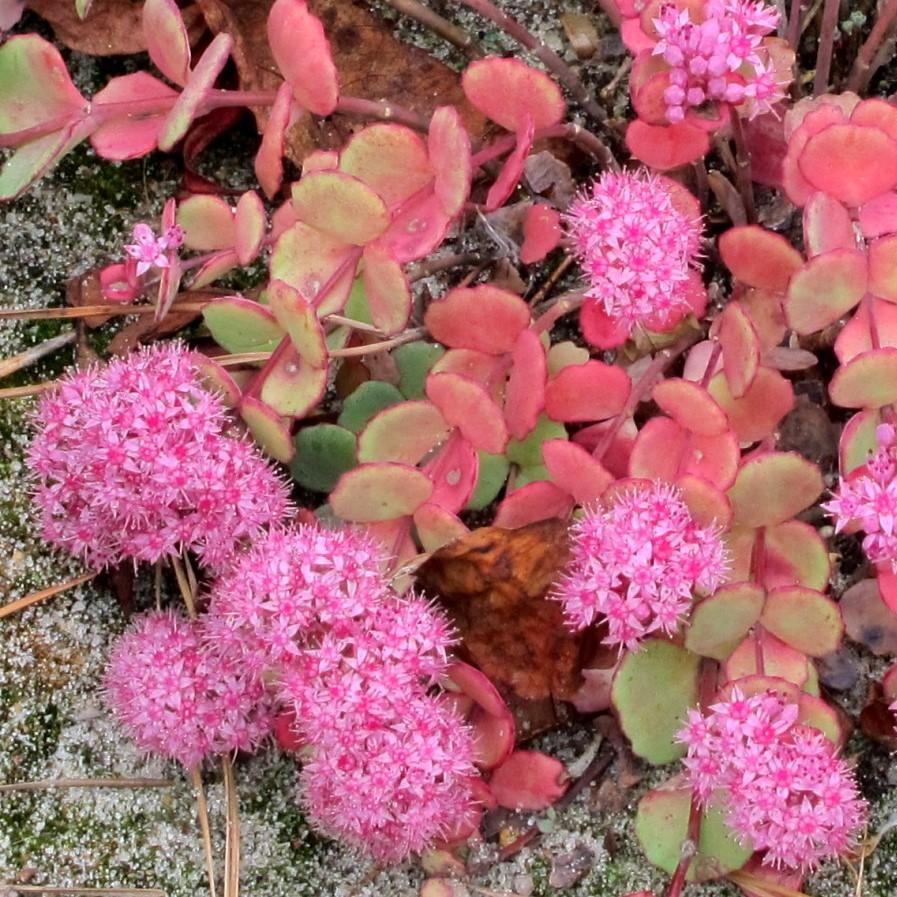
826, 46
867, 61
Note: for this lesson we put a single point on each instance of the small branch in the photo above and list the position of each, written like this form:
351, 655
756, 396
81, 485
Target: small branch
552, 279
232, 832
36, 353
420, 270
825, 46
380, 110
202, 810
21, 392
792, 35
862, 71
21, 603
546, 317
91, 311
63, 784
184, 586
409, 336
438, 25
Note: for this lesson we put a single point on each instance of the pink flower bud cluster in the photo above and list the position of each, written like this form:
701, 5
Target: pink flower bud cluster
636, 247
719, 59
785, 790
150, 251
180, 699
868, 500
354, 661
638, 562
135, 460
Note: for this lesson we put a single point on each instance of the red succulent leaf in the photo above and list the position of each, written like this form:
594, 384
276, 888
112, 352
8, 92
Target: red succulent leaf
856, 335
485, 369
575, 471
878, 216
249, 227
268, 162
485, 318
708, 505
466, 405
477, 686
508, 90
876, 113
269, 429
535, 501
386, 289
827, 225
757, 413
826, 288
302, 53
868, 381
512, 170
599, 329
292, 386
587, 392
493, 737
883, 268
528, 780
887, 588
666, 147
453, 473
417, 229
648, 94
118, 283
541, 233
405, 432
759, 257
449, 148
382, 491
779, 660
213, 268
691, 406
740, 348
207, 222
166, 39
299, 320
767, 315
525, 392
821, 116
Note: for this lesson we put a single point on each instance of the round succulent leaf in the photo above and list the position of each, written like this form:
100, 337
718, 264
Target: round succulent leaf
207, 222
858, 440
527, 452
493, 471
575, 471
485, 369
341, 206
539, 500
758, 412
587, 392
651, 716
707, 504
199, 84
299, 320
215, 266
386, 289
466, 405
324, 452
824, 289
217, 379
391, 159
804, 619
404, 432
512, 169
476, 685
665, 147
302, 53
528, 781
779, 660
883, 268
719, 623
508, 91
691, 406
414, 361
827, 226
448, 145
740, 346
563, 354
33, 159
493, 738
878, 216
166, 39
270, 431
857, 337
453, 473
658, 449
867, 381
525, 390
292, 386
541, 233
484, 318
437, 527
365, 402
526, 475
758, 257
661, 826
268, 162
774, 487
795, 555
242, 325
381, 491
815, 712
417, 228
249, 227
850, 163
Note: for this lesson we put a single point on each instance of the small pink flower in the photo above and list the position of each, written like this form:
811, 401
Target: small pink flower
150, 251
638, 562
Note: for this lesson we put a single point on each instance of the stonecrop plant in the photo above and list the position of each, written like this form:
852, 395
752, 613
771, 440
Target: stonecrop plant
726, 259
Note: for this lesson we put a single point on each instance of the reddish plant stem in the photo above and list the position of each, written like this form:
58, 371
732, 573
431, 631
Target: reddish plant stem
863, 70
557, 308
743, 166
438, 25
875, 338
826, 46
792, 35
712, 359
758, 574
568, 131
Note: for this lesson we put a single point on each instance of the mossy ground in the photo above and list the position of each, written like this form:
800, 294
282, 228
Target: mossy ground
52, 721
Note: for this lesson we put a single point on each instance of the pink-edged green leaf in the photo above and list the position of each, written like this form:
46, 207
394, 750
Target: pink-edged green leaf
453, 473
795, 555
575, 471
508, 90
665, 147
341, 206
268, 162
268, 428
758, 257
391, 159
512, 170
587, 392
540, 500
826, 288
541, 233
719, 623
405, 432
166, 39
302, 53
437, 527
528, 780
779, 660
249, 227
868, 381
883, 268
856, 338
417, 229
804, 619
706, 502
299, 320
202, 79
322, 268
691, 406
207, 222
214, 267
241, 325
757, 413
485, 318
858, 440
868, 154
766, 314
878, 216
382, 491
129, 137
387, 290
216, 379
35, 87
466, 405
320, 160
815, 712
827, 225
525, 392
35, 158
448, 144
740, 347
292, 387
774, 487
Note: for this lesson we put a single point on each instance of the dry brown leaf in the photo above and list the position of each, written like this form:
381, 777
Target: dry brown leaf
494, 582
372, 64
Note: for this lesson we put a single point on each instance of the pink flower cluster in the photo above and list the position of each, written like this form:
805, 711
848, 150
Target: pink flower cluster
637, 248
135, 460
786, 792
719, 59
150, 251
178, 698
868, 500
638, 562
389, 763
